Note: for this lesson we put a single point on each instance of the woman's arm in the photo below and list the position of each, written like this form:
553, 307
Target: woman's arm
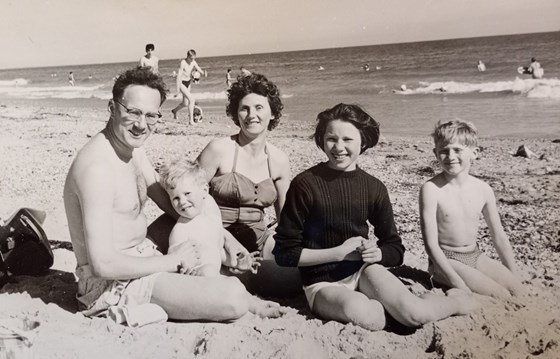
210, 157
281, 176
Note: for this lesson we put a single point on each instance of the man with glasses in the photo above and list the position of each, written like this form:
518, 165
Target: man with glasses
118, 268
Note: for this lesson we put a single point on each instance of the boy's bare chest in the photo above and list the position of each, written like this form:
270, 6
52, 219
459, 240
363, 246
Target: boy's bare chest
457, 205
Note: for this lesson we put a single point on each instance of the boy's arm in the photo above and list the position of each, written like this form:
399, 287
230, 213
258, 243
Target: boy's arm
499, 237
429, 227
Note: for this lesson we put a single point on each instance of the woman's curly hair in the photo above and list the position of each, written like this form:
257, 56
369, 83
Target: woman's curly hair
257, 84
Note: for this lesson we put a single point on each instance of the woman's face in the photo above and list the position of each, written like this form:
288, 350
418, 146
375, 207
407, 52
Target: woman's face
254, 113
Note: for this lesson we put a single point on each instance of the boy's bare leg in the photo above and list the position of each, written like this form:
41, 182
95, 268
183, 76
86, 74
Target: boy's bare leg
347, 306
499, 273
477, 281
378, 283
187, 297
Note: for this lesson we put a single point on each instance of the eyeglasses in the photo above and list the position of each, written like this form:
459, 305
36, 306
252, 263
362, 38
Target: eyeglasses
135, 115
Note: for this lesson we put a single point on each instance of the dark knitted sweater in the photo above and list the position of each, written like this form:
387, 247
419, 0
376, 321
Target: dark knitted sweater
325, 207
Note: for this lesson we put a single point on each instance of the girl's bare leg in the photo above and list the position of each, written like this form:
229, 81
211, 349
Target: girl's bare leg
378, 283
348, 306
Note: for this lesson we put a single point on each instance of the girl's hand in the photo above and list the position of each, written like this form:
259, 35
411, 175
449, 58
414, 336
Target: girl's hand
350, 249
370, 252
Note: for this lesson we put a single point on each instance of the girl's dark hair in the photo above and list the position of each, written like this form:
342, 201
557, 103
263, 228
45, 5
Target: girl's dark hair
142, 76
257, 84
368, 127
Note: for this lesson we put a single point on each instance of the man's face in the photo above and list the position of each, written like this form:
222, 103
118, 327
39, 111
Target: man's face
132, 113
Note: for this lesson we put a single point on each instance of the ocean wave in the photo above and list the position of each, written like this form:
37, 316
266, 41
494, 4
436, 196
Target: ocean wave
14, 82
61, 92
534, 88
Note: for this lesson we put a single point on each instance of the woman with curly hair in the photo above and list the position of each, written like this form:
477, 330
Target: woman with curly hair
248, 174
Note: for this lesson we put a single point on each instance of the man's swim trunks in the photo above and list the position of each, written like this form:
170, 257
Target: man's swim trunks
96, 295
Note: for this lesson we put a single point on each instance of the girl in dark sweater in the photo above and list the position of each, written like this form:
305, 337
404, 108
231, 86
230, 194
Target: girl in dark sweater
323, 230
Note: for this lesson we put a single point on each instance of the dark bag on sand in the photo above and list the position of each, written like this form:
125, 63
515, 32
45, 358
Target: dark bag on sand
24, 247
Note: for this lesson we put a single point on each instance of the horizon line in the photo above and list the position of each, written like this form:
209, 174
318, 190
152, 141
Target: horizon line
287, 51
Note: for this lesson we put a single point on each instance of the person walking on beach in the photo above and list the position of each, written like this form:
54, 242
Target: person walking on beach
450, 205
105, 192
184, 80
71, 78
150, 60
228, 78
323, 230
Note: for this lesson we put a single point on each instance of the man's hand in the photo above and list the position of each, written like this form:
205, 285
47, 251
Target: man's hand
186, 255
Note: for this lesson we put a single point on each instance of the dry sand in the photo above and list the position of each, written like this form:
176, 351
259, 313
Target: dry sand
38, 144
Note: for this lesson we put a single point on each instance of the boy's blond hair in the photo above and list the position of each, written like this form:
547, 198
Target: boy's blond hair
447, 131
171, 173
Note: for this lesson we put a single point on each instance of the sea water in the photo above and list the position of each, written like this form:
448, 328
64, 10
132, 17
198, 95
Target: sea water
441, 79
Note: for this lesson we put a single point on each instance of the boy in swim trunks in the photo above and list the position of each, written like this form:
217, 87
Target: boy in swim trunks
200, 221
450, 207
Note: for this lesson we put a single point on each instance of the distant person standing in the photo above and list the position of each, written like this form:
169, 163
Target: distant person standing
244, 72
480, 66
150, 60
535, 69
228, 78
71, 78
184, 81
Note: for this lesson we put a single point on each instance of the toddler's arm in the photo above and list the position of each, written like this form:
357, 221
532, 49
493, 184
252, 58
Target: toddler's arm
499, 237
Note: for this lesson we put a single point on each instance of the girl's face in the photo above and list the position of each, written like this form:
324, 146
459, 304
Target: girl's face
254, 114
342, 144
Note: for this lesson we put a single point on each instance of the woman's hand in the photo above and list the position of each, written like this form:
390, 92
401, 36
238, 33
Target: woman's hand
233, 250
246, 263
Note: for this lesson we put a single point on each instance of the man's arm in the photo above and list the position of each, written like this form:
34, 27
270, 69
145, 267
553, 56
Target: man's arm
499, 237
96, 192
429, 227
156, 192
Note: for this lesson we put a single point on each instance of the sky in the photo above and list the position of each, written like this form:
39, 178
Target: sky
37, 33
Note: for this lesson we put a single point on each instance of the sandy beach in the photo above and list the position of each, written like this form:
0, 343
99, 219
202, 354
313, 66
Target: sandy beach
38, 144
